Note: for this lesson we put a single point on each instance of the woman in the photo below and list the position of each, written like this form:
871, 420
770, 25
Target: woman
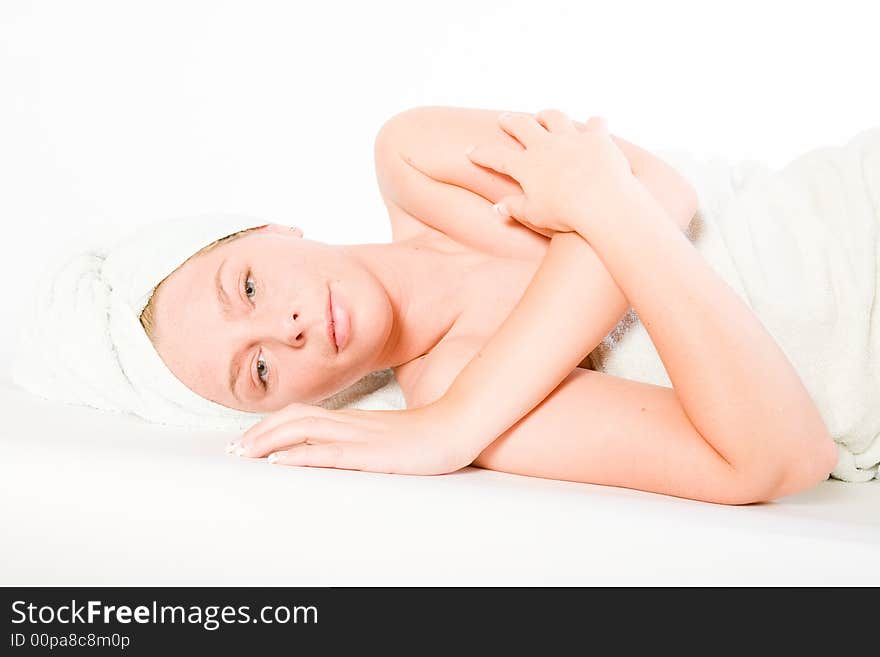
515, 250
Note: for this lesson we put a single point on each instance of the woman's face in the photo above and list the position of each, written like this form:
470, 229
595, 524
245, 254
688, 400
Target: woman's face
244, 324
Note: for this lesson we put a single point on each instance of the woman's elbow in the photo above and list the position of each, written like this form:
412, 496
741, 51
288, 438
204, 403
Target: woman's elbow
797, 473
817, 464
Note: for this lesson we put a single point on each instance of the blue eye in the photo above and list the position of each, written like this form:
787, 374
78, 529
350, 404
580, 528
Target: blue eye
262, 369
250, 288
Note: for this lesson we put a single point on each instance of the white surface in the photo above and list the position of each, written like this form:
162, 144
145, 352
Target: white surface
90, 499
115, 114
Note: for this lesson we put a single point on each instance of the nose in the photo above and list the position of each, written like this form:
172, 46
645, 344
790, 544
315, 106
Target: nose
292, 330
276, 321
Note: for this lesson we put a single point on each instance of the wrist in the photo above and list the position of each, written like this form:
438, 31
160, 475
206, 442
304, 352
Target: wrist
470, 427
628, 198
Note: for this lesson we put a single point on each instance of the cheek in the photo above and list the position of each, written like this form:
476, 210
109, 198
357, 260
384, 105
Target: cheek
206, 383
297, 377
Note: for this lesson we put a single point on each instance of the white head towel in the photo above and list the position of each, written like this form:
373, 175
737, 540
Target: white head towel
82, 341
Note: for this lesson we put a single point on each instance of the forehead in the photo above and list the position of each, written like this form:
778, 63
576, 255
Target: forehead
196, 276
191, 336
187, 283
186, 316
182, 298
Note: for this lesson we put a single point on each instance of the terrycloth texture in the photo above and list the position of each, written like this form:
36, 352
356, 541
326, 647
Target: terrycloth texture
83, 343
800, 246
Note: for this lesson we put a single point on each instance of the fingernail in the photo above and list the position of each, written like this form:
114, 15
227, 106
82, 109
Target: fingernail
240, 450
469, 150
231, 446
505, 115
500, 209
274, 456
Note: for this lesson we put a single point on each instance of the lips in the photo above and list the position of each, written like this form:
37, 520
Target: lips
341, 320
331, 333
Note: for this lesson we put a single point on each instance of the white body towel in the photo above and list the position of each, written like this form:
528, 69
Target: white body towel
800, 246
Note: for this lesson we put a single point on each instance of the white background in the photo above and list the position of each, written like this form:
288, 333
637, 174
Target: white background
117, 113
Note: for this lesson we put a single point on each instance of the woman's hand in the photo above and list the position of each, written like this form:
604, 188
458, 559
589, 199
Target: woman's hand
419, 441
565, 173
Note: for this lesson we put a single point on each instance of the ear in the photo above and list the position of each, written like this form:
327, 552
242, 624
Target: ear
282, 230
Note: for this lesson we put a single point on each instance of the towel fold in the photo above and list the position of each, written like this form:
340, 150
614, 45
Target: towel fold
81, 341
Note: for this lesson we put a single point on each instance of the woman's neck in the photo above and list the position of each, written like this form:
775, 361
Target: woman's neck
425, 285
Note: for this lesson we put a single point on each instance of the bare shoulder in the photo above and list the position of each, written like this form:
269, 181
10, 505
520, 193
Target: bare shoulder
429, 185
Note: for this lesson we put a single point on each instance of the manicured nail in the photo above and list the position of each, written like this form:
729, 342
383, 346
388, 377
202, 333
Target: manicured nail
500, 209
240, 450
274, 456
505, 115
231, 446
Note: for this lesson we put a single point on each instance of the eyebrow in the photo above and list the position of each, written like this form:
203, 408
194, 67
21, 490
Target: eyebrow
222, 297
226, 309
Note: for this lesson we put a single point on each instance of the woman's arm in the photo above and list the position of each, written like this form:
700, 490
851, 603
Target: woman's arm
734, 383
425, 177
573, 286
602, 429
597, 428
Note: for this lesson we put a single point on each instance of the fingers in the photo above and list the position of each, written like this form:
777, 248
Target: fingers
555, 121
522, 127
511, 206
348, 456
290, 412
498, 158
546, 232
296, 432
515, 208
